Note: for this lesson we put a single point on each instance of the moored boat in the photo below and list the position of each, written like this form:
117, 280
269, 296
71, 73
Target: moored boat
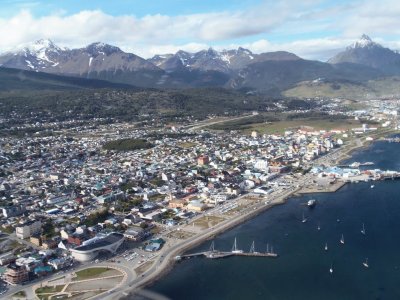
311, 203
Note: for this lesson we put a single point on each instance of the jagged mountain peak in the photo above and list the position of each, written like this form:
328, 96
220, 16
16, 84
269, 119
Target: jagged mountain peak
244, 50
364, 42
42, 45
368, 53
102, 48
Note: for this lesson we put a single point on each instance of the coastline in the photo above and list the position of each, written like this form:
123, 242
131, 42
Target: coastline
167, 264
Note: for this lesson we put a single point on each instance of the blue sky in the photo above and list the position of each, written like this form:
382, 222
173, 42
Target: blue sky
312, 29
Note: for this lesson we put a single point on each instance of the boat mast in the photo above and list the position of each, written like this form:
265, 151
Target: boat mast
234, 248
252, 250
212, 248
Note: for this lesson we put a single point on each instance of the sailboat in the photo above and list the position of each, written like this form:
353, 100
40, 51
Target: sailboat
235, 249
342, 240
304, 219
326, 247
363, 229
252, 248
365, 263
331, 269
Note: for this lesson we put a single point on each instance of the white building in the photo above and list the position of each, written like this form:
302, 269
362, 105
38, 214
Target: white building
261, 164
27, 229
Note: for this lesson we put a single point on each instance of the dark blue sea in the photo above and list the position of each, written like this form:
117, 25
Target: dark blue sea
302, 269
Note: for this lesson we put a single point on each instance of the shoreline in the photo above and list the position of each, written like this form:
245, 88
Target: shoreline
169, 262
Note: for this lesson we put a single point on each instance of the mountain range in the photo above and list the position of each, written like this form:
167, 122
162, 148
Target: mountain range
270, 72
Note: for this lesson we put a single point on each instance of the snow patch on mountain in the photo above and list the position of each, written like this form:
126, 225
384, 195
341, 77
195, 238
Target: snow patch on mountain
364, 42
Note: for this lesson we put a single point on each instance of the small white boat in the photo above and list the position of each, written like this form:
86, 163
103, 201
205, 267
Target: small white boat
372, 186
363, 229
331, 269
342, 240
326, 247
319, 227
365, 263
304, 219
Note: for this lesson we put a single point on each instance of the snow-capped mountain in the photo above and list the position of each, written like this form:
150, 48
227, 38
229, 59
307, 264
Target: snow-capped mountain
226, 61
42, 54
369, 53
236, 68
97, 60
364, 42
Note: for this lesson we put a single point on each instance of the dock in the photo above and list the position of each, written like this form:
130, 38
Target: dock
392, 140
222, 254
356, 165
215, 254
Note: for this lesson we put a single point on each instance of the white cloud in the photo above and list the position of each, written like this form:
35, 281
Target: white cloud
158, 33
88, 26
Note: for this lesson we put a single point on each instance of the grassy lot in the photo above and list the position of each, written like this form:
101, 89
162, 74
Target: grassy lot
127, 145
90, 273
187, 144
7, 230
346, 90
20, 294
281, 126
49, 289
180, 234
207, 221
278, 123
143, 268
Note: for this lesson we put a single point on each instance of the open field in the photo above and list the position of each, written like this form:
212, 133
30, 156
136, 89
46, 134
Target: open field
87, 283
317, 124
383, 87
143, 267
20, 294
187, 144
278, 123
47, 291
207, 221
180, 234
91, 273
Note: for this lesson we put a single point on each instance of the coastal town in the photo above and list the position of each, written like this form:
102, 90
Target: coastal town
127, 200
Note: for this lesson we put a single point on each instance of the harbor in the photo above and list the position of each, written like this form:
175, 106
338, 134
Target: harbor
307, 251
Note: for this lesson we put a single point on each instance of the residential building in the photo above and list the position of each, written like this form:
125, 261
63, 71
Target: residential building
15, 274
28, 229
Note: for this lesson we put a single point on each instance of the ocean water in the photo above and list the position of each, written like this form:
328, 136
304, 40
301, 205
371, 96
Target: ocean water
302, 269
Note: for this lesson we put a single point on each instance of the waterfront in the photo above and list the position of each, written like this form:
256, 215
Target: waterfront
302, 270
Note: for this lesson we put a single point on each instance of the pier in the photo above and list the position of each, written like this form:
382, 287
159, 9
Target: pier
392, 140
215, 254
356, 165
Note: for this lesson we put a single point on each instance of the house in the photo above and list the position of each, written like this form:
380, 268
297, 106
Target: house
151, 216
202, 160
7, 258
36, 239
13, 210
15, 274
196, 206
177, 203
135, 233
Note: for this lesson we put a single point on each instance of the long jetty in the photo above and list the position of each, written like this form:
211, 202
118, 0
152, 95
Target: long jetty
215, 254
223, 254
392, 140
